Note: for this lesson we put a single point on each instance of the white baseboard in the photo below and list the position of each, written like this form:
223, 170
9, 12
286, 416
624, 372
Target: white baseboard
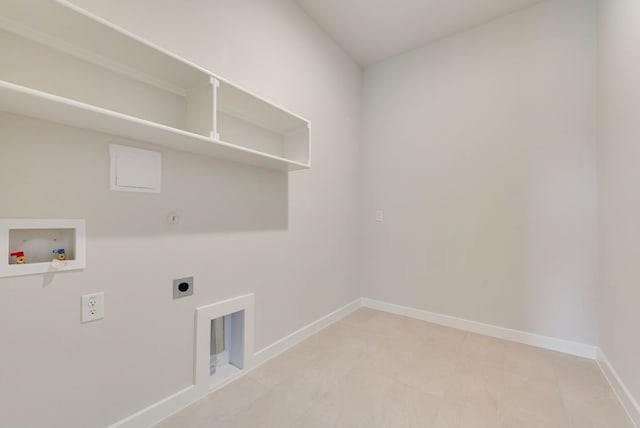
305, 332
160, 410
624, 395
546, 342
168, 406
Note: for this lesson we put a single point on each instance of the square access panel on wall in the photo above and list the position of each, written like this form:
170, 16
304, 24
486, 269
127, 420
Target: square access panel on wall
36, 246
135, 170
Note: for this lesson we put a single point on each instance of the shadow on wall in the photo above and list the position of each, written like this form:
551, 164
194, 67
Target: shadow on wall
53, 171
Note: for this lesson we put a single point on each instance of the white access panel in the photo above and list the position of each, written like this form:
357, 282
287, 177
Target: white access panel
135, 170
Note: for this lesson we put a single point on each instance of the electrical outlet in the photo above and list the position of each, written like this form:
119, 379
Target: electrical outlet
92, 307
182, 287
379, 215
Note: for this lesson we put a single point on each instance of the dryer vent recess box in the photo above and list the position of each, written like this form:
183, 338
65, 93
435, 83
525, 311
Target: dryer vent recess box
135, 170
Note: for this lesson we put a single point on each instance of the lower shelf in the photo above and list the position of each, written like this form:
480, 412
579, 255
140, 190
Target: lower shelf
41, 105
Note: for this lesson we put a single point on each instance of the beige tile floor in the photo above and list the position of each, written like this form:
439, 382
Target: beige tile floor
374, 369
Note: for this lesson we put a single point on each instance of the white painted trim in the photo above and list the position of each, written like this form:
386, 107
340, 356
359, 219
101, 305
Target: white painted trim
546, 342
276, 348
160, 410
625, 397
168, 406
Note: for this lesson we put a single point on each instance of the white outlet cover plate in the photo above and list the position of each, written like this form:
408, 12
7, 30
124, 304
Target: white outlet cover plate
92, 307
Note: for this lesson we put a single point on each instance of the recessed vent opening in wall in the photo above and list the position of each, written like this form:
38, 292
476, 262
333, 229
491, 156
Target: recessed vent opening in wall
224, 341
226, 356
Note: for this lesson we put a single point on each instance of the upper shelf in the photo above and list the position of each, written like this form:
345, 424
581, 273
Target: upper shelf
68, 66
236, 102
64, 26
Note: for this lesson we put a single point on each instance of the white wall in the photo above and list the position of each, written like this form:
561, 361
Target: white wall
480, 149
619, 178
291, 239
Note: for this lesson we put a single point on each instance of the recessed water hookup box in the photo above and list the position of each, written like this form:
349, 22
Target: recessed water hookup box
36, 246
